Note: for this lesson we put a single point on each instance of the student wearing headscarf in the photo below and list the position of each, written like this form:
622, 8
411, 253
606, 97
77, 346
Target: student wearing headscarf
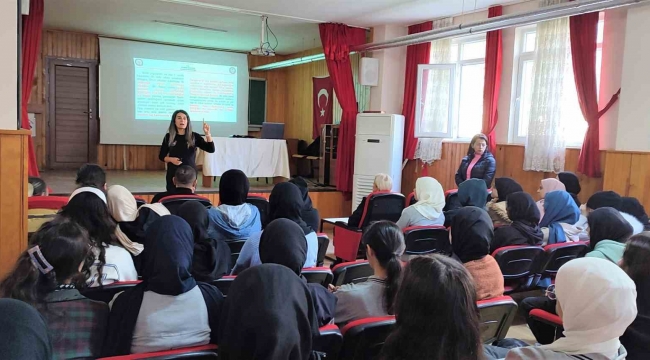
571, 184
428, 210
382, 183
632, 206
153, 316
496, 208
471, 234
524, 229
597, 302
560, 215
471, 192
268, 315
285, 202
547, 186
283, 243
308, 213
609, 199
23, 332
211, 258
233, 219
608, 232
635, 263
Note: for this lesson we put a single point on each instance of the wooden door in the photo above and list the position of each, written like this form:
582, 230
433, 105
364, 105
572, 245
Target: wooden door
72, 108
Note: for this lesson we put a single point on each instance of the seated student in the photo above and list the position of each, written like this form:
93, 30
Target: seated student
39, 186
47, 276
635, 263
233, 219
609, 199
428, 210
383, 182
560, 215
496, 208
211, 259
571, 184
597, 302
91, 175
24, 332
471, 234
443, 290
632, 206
267, 315
308, 212
87, 207
184, 181
285, 202
472, 192
123, 209
547, 186
283, 243
524, 229
169, 309
608, 232
384, 244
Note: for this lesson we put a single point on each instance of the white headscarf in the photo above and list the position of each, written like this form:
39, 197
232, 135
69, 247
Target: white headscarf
123, 208
598, 302
431, 197
90, 189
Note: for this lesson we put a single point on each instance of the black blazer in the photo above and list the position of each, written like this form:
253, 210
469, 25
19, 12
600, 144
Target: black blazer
484, 169
355, 218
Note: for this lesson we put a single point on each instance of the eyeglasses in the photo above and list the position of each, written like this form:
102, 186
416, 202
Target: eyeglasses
550, 292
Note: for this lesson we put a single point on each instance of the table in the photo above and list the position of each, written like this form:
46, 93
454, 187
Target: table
255, 157
332, 221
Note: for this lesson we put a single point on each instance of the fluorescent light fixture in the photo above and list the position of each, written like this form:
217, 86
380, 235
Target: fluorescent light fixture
189, 26
292, 62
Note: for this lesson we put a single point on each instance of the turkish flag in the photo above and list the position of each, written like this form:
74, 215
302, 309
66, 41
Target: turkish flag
323, 99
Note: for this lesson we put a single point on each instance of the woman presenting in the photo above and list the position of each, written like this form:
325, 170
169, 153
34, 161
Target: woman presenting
180, 143
479, 162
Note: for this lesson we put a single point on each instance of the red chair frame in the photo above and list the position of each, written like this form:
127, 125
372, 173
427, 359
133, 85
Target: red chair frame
416, 236
410, 200
351, 272
46, 202
194, 352
329, 341
556, 255
496, 316
548, 319
362, 339
518, 266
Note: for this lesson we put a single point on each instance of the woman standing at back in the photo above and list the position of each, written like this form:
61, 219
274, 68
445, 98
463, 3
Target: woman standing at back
479, 162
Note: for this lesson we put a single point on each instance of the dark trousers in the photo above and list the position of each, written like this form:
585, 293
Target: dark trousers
171, 171
544, 333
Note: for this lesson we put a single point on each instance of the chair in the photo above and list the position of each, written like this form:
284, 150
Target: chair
496, 316
47, 202
410, 200
318, 275
422, 240
107, 292
451, 200
351, 272
328, 342
517, 265
235, 248
224, 283
364, 338
139, 201
323, 245
556, 255
197, 352
378, 206
173, 202
549, 319
262, 205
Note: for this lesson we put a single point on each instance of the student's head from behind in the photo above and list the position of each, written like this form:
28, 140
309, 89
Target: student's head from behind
473, 192
471, 233
479, 145
607, 224
503, 187
233, 187
604, 199
283, 242
384, 243
30, 338
521, 207
383, 182
91, 175
40, 188
196, 215
87, 208
548, 185
180, 125
59, 253
185, 177
635, 259
441, 288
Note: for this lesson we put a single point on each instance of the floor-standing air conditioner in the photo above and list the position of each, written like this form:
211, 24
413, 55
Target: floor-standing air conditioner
378, 149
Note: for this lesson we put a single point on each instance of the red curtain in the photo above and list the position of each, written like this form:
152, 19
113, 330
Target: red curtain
584, 32
492, 80
32, 29
415, 55
337, 40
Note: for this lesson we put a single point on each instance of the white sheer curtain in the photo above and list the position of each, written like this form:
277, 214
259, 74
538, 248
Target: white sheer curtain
545, 144
430, 149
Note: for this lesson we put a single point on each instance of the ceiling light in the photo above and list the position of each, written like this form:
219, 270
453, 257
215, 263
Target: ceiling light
292, 62
196, 27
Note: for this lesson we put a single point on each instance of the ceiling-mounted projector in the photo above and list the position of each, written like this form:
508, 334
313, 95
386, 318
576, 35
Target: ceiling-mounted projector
265, 48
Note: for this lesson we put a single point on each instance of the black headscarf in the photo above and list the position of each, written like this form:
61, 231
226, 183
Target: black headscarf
571, 183
524, 213
607, 224
233, 187
522, 208
286, 202
604, 199
23, 331
211, 258
166, 270
632, 206
506, 186
472, 192
471, 234
308, 213
268, 314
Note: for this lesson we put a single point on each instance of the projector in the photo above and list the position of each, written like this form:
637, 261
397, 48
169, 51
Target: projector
262, 52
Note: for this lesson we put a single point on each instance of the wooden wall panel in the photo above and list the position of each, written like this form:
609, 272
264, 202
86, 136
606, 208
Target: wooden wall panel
13, 196
628, 173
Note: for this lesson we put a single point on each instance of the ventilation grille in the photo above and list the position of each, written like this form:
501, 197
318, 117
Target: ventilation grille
363, 187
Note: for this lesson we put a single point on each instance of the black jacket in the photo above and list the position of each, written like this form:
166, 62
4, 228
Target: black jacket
484, 169
355, 218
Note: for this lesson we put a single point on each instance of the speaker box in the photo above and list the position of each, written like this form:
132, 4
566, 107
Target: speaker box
369, 71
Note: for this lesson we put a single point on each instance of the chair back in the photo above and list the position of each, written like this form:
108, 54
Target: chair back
107, 292
382, 206
353, 272
203, 352
451, 200
323, 244
557, 255
496, 316
235, 248
262, 205
224, 283
328, 342
422, 240
410, 200
364, 338
47, 202
272, 130
318, 275
174, 202
517, 262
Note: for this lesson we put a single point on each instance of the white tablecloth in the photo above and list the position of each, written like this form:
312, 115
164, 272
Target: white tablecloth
255, 157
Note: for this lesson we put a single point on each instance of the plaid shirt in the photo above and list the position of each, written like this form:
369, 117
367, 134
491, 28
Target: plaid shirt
77, 325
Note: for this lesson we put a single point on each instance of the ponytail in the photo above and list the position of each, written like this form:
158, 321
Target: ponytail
25, 282
393, 276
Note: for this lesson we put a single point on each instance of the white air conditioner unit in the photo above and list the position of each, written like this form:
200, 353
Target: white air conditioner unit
378, 149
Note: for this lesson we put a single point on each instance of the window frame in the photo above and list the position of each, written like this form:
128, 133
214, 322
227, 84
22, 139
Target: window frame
517, 81
418, 101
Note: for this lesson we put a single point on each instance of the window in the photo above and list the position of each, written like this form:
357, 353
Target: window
575, 126
449, 100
